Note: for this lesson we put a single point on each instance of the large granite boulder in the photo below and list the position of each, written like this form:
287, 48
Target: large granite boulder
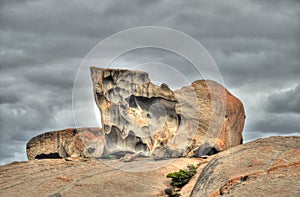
264, 167
218, 114
167, 123
82, 142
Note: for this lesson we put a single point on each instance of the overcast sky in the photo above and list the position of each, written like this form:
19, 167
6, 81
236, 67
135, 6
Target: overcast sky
255, 44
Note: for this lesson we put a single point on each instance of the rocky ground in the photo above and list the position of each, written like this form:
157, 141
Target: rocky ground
87, 177
265, 167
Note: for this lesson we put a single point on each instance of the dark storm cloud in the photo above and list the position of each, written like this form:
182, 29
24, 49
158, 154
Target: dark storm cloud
42, 43
8, 99
278, 123
285, 101
28, 109
248, 40
253, 41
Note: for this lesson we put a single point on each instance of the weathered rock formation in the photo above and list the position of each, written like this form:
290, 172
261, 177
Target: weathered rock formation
132, 106
137, 115
83, 142
218, 114
167, 123
264, 167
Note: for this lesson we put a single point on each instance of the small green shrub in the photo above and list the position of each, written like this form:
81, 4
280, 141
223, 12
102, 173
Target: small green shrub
182, 177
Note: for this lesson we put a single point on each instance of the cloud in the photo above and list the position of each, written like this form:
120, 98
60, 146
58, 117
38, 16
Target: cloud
278, 123
42, 43
285, 101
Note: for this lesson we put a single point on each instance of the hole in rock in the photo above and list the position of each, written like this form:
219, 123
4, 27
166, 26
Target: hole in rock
108, 79
145, 102
140, 146
48, 156
91, 150
132, 102
206, 149
209, 151
179, 119
244, 178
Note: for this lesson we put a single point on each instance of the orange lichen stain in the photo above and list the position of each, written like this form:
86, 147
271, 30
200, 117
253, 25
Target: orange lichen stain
141, 121
88, 135
221, 144
105, 105
173, 145
215, 194
137, 117
283, 166
63, 178
150, 146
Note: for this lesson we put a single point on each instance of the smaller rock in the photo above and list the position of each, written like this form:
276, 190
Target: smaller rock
131, 157
204, 156
68, 159
169, 191
172, 192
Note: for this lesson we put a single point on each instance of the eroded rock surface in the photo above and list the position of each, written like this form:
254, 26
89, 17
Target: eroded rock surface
218, 115
139, 116
82, 142
131, 105
264, 167
167, 123
88, 177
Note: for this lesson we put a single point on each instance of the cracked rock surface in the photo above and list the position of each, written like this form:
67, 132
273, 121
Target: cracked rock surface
264, 167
